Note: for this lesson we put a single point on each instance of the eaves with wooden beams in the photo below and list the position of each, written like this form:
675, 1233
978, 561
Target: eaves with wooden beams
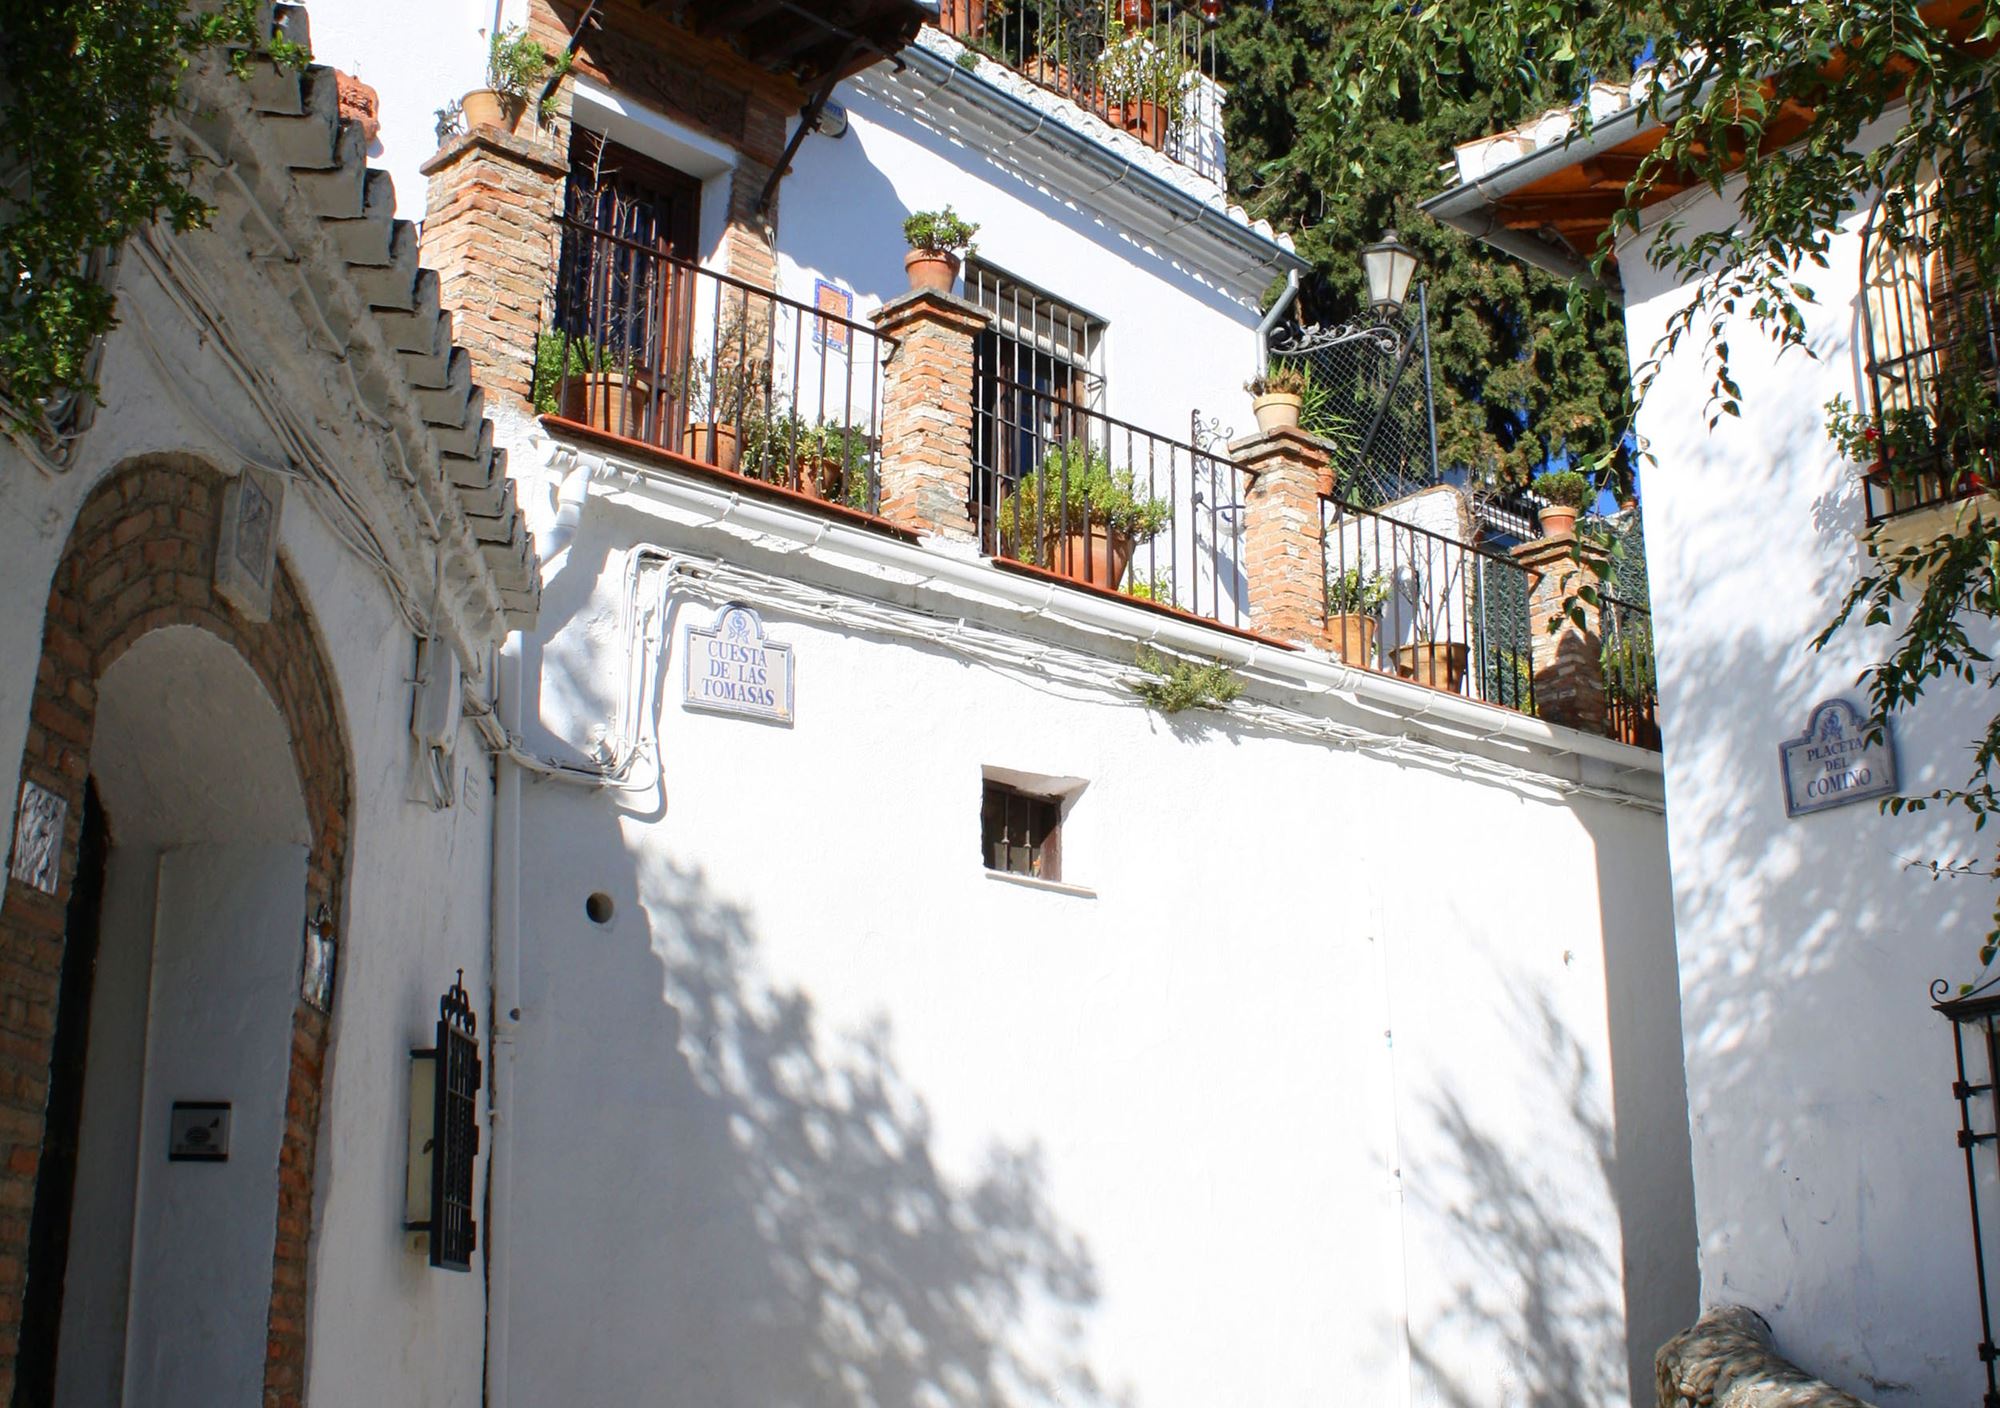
1546, 191
815, 43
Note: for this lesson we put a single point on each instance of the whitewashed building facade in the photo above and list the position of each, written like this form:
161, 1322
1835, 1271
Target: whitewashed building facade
1830, 1185
877, 1001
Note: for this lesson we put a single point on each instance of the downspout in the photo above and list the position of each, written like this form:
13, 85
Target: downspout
506, 1017
1278, 308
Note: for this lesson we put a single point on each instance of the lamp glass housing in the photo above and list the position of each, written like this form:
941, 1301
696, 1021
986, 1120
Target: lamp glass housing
1389, 265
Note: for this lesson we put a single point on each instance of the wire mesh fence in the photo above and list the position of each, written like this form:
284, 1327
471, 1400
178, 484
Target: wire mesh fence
1366, 394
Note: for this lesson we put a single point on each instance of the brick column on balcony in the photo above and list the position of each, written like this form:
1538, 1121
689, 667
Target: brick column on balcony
927, 411
491, 236
1569, 670
1283, 549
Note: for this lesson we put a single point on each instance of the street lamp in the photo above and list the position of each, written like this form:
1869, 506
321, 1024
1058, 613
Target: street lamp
1388, 263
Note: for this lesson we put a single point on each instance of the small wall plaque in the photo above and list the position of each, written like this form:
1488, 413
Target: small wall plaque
1833, 762
316, 968
731, 669
246, 555
38, 838
198, 1132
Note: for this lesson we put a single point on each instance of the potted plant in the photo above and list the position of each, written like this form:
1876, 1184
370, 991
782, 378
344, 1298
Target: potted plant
516, 68
1354, 600
718, 395
1277, 397
1143, 85
936, 238
828, 460
1077, 516
1429, 660
1568, 494
587, 382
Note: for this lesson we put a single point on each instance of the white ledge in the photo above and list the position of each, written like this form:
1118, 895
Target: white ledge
1035, 882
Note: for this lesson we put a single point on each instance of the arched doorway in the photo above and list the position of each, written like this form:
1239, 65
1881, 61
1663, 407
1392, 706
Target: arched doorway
195, 767
167, 1275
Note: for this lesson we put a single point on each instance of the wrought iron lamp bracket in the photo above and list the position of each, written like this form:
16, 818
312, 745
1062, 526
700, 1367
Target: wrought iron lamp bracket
1313, 338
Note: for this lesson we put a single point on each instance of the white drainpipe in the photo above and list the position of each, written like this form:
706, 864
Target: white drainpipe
1284, 301
506, 961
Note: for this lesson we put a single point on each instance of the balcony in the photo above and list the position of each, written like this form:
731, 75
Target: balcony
1932, 350
1408, 594
1146, 67
719, 373
1061, 489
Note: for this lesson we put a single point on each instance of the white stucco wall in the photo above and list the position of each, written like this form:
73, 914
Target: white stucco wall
1174, 342
1311, 1097
1830, 1190
385, 1327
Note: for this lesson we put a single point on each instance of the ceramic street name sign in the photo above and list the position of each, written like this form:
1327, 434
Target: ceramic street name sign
1832, 763
731, 669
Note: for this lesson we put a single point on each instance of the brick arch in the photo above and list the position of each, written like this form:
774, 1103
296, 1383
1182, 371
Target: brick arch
140, 557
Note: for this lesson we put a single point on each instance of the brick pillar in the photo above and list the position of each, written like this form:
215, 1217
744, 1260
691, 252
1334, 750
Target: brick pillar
1284, 553
491, 235
927, 409
746, 242
1569, 671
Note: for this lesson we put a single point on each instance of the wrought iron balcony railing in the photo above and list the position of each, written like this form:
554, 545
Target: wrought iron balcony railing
712, 369
1147, 67
1072, 491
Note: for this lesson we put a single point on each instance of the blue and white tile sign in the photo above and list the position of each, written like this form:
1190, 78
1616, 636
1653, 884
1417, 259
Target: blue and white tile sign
731, 669
1833, 762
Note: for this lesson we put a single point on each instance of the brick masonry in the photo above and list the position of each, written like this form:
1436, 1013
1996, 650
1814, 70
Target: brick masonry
491, 235
1284, 551
1566, 653
927, 410
141, 557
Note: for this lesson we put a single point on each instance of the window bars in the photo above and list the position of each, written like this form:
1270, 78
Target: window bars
1931, 347
444, 1132
1072, 491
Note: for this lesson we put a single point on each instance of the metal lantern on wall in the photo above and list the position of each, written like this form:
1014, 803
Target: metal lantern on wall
1389, 265
1975, 1033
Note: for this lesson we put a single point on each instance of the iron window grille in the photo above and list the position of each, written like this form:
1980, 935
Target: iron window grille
454, 1132
1020, 833
1931, 346
1036, 374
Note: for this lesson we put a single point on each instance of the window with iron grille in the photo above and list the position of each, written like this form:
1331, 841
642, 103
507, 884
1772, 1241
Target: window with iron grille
1930, 355
455, 1129
1020, 833
1033, 374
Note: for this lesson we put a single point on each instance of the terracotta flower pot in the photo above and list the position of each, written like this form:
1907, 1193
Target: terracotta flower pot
712, 442
1352, 637
1558, 521
1277, 410
605, 401
1136, 14
1144, 119
1630, 726
965, 19
932, 272
1097, 556
1439, 664
484, 107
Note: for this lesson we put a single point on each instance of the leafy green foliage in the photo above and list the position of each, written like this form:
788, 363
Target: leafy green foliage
1284, 379
1075, 488
1134, 69
939, 231
1355, 592
83, 86
1515, 379
1566, 487
517, 67
1777, 108
1174, 685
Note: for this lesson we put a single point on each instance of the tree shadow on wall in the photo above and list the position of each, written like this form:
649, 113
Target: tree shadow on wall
1537, 1285
787, 1232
